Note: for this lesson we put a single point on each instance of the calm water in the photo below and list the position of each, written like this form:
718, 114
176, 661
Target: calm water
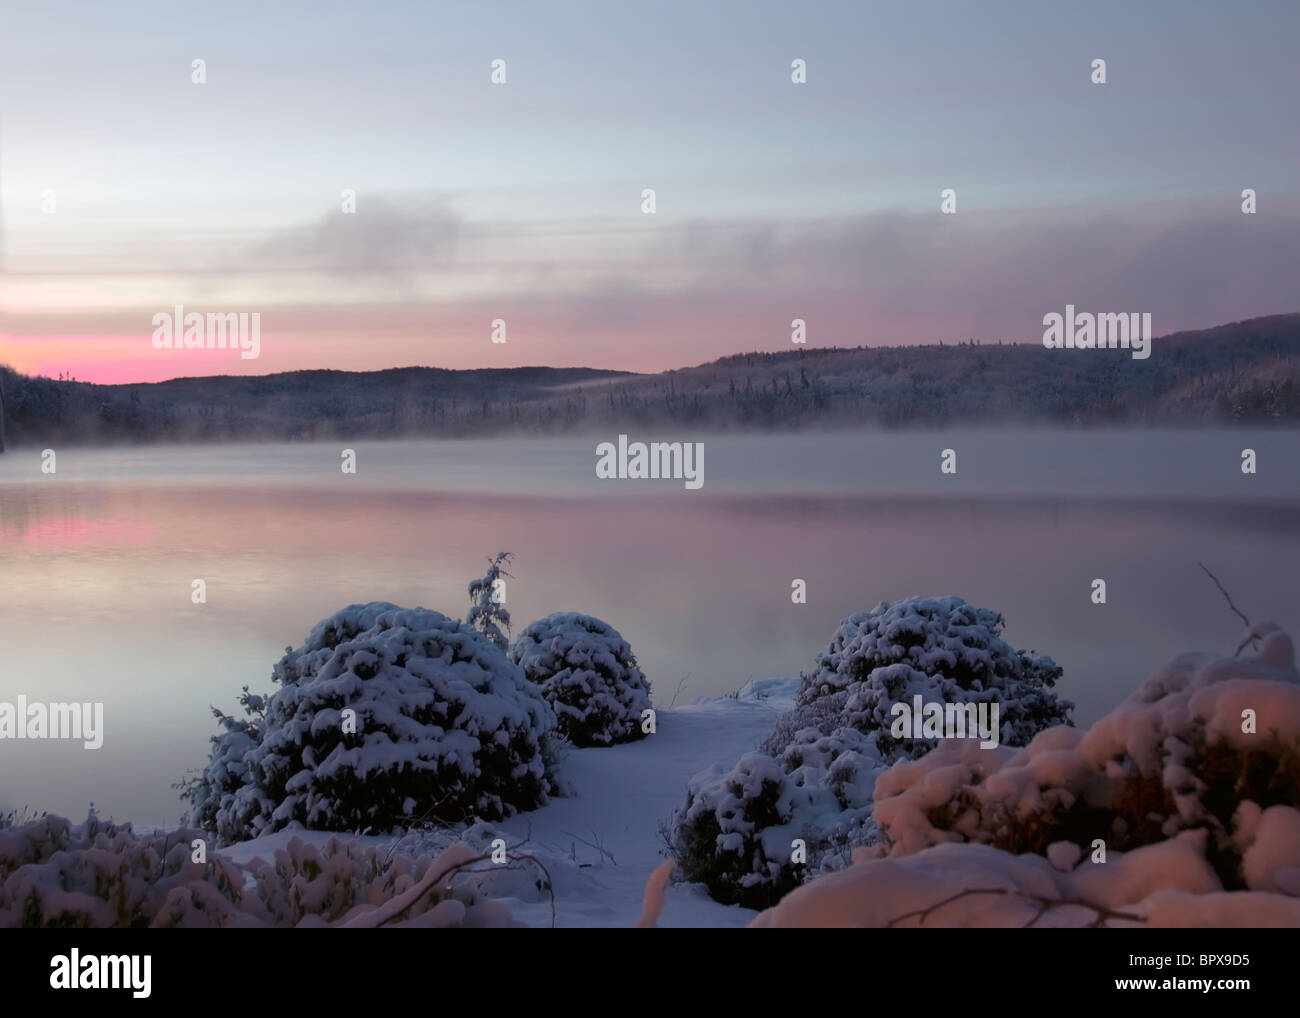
97, 563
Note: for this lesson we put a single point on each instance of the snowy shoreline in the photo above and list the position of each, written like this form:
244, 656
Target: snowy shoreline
622, 795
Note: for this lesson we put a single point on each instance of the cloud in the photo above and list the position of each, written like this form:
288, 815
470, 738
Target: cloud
406, 282
386, 239
995, 274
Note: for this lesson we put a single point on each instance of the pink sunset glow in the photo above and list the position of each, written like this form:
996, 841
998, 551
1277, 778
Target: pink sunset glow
690, 295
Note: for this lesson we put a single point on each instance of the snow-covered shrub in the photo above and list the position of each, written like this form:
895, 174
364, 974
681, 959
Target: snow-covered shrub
837, 741
587, 673
383, 715
96, 874
754, 831
732, 833
940, 648
1207, 743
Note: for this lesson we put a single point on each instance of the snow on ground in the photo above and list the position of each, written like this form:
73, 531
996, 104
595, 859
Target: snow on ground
620, 797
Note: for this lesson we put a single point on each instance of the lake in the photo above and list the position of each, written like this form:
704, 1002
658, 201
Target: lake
98, 561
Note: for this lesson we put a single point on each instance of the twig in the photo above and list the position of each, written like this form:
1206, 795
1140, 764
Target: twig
1250, 637
597, 846
922, 913
678, 690
1044, 906
1225, 594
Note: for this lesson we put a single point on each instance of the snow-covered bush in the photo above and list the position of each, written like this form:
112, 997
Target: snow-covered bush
733, 834
823, 758
383, 715
940, 648
97, 874
587, 673
754, 831
1207, 743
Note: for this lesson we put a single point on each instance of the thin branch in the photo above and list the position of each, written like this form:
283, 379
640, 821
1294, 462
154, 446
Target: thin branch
1250, 638
924, 912
1226, 595
597, 846
678, 690
1044, 906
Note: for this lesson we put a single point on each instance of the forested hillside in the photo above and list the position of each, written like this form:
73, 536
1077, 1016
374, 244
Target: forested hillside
1240, 373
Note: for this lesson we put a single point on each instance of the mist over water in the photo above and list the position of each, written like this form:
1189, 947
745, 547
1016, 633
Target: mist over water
98, 560
1163, 463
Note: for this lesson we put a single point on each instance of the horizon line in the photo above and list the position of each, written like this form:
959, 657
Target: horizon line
624, 371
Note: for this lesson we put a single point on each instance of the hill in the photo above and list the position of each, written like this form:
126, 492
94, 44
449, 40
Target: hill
1243, 373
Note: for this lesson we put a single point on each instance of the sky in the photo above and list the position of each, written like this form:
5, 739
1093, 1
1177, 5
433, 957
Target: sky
128, 189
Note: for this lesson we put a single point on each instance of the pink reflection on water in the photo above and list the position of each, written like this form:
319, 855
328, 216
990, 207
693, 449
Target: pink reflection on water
74, 531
